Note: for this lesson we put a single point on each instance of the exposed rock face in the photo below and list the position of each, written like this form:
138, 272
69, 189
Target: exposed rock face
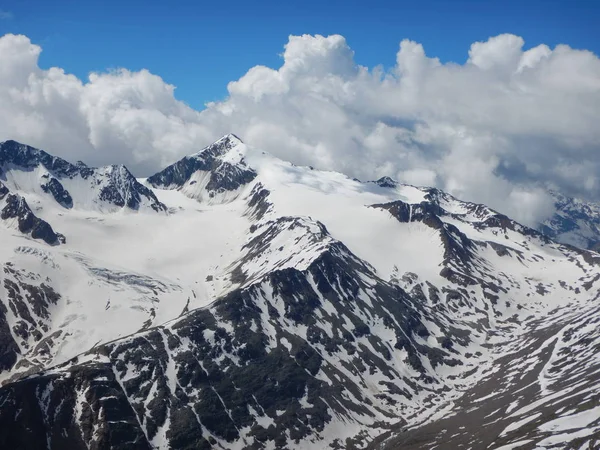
29, 158
8, 347
60, 194
27, 169
533, 399
15, 207
123, 190
3, 191
28, 303
79, 409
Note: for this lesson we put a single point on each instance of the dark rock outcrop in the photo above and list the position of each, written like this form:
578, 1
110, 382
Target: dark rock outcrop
60, 194
81, 408
16, 207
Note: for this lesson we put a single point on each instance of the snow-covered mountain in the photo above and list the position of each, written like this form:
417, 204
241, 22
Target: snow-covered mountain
576, 222
213, 175
277, 306
35, 172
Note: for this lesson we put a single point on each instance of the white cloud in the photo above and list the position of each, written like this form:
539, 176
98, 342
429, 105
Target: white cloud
501, 53
499, 129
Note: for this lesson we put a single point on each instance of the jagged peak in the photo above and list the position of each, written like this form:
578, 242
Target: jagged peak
13, 146
11, 150
32, 170
116, 169
218, 148
48, 160
10, 142
219, 168
386, 182
232, 138
281, 243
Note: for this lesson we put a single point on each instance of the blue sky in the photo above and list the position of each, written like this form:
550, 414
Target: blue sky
201, 46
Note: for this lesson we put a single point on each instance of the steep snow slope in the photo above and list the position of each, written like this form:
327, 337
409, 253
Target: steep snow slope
281, 306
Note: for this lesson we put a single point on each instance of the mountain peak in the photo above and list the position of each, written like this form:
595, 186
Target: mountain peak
10, 143
215, 173
386, 182
232, 138
218, 148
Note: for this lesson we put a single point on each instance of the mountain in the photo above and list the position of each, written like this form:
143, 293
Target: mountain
32, 171
575, 222
214, 174
278, 306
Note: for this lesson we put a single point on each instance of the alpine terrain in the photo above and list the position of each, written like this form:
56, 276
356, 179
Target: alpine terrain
237, 301
575, 222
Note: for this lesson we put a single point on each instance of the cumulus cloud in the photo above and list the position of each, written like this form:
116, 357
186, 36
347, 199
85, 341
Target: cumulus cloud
501, 129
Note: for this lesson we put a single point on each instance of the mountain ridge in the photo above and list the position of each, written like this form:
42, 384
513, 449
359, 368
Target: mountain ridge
34, 171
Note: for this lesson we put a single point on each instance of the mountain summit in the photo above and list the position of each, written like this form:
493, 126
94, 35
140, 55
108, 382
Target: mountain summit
278, 306
213, 174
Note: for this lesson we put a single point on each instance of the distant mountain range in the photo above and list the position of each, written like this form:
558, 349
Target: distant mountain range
237, 301
576, 222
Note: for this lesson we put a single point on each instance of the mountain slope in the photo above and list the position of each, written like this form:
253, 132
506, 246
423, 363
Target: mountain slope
544, 394
278, 306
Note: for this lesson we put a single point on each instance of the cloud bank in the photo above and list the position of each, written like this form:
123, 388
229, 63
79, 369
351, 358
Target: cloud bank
500, 129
